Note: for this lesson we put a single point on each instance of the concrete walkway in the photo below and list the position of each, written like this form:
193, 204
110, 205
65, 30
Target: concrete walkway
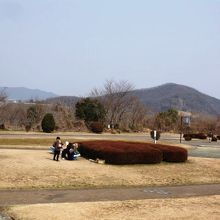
14, 197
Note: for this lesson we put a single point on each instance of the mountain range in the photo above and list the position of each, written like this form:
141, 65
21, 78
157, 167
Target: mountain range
25, 94
156, 99
179, 97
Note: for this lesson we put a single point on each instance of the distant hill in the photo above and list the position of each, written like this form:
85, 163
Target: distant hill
164, 97
180, 97
157, 99
23, 94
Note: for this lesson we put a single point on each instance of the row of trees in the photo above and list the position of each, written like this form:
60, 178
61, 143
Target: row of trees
21, 116
113, 105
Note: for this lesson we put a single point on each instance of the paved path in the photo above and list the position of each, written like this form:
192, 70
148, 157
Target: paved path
13, 197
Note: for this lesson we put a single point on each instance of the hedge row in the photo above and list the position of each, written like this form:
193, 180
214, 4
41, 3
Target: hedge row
197, 136
131, 153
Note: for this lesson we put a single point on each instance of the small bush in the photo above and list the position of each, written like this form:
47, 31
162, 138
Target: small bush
194, 135
201, 136
27, 127
218, 137
2, 126
187, 137
96, 127
214, 138
48, 123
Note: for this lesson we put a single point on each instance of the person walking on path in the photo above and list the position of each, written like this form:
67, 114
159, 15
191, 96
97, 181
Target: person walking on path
57, 147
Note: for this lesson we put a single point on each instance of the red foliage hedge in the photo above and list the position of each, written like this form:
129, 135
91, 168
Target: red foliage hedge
197, 136
172, 153
131, 153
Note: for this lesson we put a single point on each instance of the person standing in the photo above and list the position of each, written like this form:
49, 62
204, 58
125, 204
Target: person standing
57, 147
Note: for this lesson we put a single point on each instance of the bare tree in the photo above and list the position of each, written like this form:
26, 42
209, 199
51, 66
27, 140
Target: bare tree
115, 97
120, 104
3, 96
138, 115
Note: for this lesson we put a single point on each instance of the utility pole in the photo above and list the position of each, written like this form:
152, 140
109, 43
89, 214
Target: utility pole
181, 128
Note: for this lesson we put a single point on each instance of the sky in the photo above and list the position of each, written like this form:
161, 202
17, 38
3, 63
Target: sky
70, 47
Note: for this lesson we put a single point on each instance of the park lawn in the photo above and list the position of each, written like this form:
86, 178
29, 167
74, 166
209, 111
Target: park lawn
29, 142
36, 169
44, 143
200, 208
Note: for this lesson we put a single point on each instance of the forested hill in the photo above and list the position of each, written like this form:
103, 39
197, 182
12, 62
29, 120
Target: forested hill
166, 96
157, 99
180, 97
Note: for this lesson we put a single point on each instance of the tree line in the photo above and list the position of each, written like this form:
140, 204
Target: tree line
113, 107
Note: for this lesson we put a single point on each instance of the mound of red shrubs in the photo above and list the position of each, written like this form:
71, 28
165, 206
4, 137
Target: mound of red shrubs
131, 153
201, 136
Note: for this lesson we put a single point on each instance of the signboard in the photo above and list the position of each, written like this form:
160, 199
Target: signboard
186, 120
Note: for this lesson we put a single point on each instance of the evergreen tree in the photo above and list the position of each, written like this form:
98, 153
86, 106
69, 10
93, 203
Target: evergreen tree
48, 123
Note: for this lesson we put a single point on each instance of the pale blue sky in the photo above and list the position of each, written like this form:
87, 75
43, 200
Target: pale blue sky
71, 46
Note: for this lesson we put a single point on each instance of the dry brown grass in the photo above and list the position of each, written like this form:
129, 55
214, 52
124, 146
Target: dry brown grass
200, 208
35, 169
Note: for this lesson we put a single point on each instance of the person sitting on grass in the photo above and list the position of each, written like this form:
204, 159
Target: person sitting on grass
75, 153
66, 151
71, 152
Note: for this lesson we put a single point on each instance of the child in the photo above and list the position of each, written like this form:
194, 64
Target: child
57, 147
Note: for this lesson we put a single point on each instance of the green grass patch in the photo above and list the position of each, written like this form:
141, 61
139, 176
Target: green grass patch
31, 141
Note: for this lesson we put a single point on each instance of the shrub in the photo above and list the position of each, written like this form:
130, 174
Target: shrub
2, 126
96, 127
131, 153
120, 152
27, 127
187, 137
218, 137
200, 136
194, 135
157, 135
90, 110
172, 153
48, 123
214, 138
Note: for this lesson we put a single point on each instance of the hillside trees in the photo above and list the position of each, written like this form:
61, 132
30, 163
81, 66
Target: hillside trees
205, 124
166, 121
122, 108
3, 97
34, 115
13, 114
90, 110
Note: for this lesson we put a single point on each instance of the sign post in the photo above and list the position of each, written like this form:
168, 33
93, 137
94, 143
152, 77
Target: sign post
181, 128
184, 121
155, 136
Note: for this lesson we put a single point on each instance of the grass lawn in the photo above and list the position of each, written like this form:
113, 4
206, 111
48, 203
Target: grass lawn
200, 208
36, 169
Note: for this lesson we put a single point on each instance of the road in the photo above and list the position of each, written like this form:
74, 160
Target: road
34, 196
